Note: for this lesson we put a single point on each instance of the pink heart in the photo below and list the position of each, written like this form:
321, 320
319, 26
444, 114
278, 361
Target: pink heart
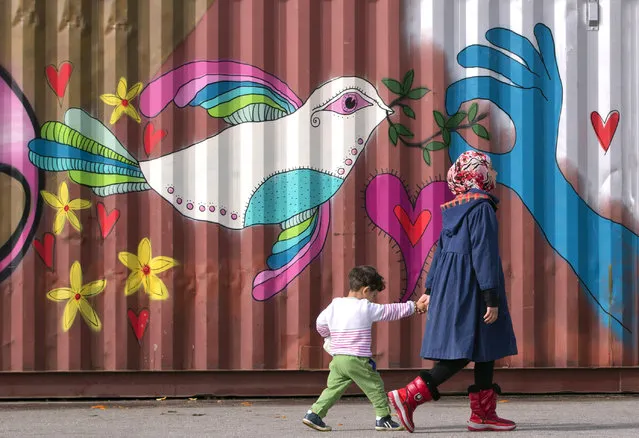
416, 228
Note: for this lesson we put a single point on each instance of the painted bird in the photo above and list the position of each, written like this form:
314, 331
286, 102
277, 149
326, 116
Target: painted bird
279, 162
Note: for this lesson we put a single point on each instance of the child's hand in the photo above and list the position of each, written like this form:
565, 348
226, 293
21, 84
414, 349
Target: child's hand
421, 306
491, 315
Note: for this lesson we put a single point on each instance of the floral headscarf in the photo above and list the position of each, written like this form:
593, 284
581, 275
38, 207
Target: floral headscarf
472, 170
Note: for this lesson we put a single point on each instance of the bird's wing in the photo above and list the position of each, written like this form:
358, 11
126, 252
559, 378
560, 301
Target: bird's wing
300, 241
230, 90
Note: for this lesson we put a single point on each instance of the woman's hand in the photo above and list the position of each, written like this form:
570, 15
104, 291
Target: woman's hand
491, 315
424, 300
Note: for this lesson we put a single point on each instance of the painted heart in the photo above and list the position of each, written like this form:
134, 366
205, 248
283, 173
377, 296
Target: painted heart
58, 78
414, 230
152, 137
45, 248
107, 220
139, 322
605, 131
415, 227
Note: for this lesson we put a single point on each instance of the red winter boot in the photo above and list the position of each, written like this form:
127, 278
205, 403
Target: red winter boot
483, 406
405, 400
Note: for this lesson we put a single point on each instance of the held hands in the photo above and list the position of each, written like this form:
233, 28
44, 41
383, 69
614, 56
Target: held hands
491, 315
421, 305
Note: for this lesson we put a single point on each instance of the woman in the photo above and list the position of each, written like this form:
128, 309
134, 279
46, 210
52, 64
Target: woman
468, 318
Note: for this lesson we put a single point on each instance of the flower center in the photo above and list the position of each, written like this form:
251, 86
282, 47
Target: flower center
66, 208
146, 270
125, 102
78, 296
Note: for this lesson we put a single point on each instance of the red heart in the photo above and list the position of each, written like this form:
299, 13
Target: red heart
59, 78
107, 221
152, 137
605, 130
413, 230
45, 249
139, 322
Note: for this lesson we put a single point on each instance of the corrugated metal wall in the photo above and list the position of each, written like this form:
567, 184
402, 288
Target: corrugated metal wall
313, 77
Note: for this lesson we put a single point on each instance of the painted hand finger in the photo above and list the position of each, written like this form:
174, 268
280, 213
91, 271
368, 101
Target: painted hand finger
546, 45
518, 45
505, 96
477, 56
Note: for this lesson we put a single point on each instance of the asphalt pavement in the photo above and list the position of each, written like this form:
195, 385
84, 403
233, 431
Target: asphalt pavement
565, 416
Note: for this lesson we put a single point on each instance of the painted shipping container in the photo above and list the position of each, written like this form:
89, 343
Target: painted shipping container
186, 184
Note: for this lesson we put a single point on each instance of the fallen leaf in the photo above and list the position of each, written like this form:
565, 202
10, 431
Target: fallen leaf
503, 401
339, 424
98, 407
284, 417
192, 398
172, 412
198, 415
160, 399
246, 404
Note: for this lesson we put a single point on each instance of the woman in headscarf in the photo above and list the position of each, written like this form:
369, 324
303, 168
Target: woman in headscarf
468, 318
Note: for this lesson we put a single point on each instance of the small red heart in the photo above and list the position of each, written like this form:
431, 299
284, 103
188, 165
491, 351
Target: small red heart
415, 230
139, 322
152, 137
59, 78
107, 221
605, 130
45, 248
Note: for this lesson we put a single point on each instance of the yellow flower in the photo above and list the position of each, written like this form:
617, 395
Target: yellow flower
76, 298
121, 100
65, 208
144, 270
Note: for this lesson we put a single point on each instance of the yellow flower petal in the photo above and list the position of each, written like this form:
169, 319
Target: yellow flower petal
73, 220
116, 114
89, 314
63, 193
70, 311
144, 251
157, 288
60, 294
51, 199
129, 260
111, 99
134, 91
75, 276
79, 204
59, 221
92, 289
132, 112
121, 90
161, 264
133, 283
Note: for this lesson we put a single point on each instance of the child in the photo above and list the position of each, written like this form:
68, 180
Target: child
468, 318
347, 321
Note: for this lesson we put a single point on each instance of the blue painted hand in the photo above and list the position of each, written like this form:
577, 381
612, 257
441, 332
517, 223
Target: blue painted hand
591, 244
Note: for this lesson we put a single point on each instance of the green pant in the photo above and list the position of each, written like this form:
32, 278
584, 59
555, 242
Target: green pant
344, 370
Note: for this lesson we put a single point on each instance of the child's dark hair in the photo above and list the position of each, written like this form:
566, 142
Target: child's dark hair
365, 276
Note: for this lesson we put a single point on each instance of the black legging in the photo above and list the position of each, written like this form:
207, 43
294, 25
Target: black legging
445, 369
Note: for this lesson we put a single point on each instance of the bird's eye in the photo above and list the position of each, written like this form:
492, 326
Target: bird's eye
348, 103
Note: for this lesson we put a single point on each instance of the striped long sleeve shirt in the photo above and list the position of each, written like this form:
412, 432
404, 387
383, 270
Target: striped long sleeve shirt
348, 321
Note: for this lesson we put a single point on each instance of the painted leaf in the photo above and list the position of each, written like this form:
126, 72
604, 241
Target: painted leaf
435, 146
439, 119
427, 156
481, 131
455, 120
403, 130
392, 133
446, 136
408, 80
393, 85
417, 93
408, 111
472, 112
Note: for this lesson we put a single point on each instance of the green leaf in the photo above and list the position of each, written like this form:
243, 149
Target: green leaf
435, 146
408, 111
439, 119
446, 136
472, 112
417, 93
393, 85
427, 156
403, 130
455, 120
481, 131
408, 81
392, 133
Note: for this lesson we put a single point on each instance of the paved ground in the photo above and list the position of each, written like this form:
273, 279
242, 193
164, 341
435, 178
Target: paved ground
594, 416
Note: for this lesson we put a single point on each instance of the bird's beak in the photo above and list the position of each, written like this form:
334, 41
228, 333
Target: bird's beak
390, 112
386, 108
